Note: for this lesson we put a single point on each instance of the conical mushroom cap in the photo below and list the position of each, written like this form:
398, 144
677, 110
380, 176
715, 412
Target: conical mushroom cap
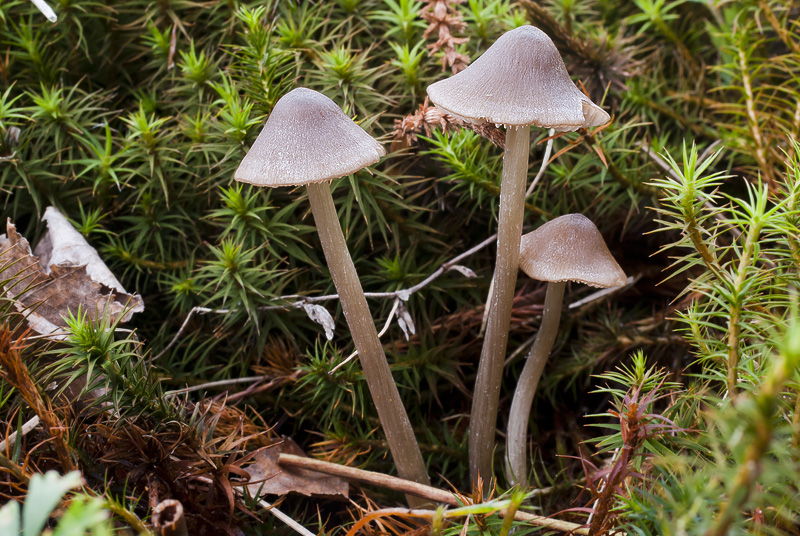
520, 80
307, 139
570, 248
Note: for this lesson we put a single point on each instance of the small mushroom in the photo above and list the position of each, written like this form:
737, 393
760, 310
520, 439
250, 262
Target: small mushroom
568, 248
519, 81
308, 141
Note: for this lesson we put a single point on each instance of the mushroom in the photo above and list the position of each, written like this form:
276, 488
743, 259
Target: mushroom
519, 81
568, 248
308, 140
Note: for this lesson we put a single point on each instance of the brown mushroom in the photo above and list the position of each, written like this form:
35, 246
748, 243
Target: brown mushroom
568, 248
519, 81
307, 141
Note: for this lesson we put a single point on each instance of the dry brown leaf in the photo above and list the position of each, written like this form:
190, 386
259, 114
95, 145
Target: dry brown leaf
270, 478
65, 274
427, 117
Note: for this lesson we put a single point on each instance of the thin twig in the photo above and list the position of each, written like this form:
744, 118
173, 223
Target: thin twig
291, 523
413, 488
402, 294
370, 477
563, 526
380, 334
545, 161
604, 292
220, 383
288, 521
486, 308
519, 350
12, 438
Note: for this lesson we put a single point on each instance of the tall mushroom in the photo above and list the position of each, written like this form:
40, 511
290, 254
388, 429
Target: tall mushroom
308, 141
568, 248
519, 81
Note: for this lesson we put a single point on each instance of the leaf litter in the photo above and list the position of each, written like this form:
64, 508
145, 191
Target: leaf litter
63, 274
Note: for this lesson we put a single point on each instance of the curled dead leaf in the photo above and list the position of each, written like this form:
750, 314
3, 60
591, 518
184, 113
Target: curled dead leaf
269, 478
66, 274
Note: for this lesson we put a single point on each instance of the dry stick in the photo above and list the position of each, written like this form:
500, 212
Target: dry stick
220, 383
602, 488
380, 334
12, 438
288, 521
369, 477
412, 488
545, 160
402, 294
604, 292
563, 526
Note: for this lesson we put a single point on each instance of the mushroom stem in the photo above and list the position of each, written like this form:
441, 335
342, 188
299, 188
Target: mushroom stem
516, 459
486, 396
393, 417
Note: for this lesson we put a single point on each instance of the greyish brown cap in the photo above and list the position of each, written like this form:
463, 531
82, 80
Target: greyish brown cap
307, 139
520, 80
570, 248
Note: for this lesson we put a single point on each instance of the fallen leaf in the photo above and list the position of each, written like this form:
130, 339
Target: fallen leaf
267, 477
66, 274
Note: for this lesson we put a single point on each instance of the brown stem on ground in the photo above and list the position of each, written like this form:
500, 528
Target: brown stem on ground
405, 486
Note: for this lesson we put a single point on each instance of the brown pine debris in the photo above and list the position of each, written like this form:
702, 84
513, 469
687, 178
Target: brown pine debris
16, 373
443, 19
427, 117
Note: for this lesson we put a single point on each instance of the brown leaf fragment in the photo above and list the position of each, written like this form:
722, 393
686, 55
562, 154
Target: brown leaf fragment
64, 276
427, 117
443, 18
268, 477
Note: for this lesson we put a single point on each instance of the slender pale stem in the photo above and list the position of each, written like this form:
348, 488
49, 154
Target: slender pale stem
516, 458
393, 417
486, 396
